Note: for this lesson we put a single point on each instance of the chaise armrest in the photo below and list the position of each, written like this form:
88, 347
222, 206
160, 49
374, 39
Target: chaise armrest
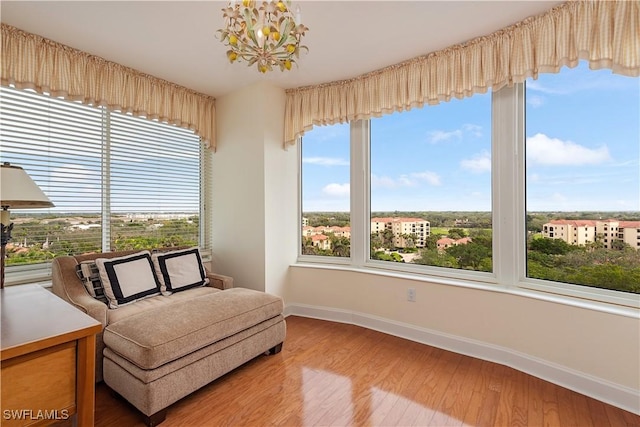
68, 286
219, 281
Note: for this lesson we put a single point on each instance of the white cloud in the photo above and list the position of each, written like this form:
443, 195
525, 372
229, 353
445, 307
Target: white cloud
440, 135
478, 164
326, 161
337, 190
567, 84
388, 182
467, 129
536, 101
406, 180
544, 150
536, 86
382, 182
475, 130
429, 177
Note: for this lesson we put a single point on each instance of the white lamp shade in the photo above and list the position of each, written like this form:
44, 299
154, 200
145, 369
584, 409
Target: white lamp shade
19, 191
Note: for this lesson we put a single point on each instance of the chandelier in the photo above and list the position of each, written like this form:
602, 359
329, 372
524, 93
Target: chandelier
265, 35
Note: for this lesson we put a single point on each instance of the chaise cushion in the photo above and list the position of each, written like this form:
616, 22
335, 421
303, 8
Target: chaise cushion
155, 337
156, 302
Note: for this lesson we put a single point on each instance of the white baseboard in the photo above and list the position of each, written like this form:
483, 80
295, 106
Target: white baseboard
620, 396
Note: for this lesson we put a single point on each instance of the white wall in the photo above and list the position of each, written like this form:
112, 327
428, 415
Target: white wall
281, 221
254, 190
238, 189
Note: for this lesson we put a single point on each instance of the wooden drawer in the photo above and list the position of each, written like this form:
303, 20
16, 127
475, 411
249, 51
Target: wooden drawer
39, 388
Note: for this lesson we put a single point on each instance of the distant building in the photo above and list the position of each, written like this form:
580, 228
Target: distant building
581, 232
309, 231
402, 228
321, 241
578, 232
447, 242
629, 233
305, 221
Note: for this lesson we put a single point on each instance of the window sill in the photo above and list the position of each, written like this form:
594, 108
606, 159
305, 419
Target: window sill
524, 290
21, 275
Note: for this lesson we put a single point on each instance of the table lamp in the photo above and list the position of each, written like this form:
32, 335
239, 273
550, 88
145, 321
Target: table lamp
17, 191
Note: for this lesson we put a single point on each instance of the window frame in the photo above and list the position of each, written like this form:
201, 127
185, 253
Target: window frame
508, 183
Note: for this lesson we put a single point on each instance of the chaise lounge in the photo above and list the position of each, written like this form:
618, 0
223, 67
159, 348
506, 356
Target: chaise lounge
157, 348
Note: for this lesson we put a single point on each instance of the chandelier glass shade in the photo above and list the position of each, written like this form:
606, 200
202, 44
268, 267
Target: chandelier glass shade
262, 33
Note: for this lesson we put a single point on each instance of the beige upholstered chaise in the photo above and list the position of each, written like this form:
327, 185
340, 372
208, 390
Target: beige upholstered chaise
159, 349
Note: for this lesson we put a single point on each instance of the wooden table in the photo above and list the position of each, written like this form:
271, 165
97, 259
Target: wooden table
47, 351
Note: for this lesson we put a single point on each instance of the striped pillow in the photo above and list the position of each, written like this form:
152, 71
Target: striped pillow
88, 272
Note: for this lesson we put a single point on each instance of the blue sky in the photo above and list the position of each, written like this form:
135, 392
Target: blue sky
583, 151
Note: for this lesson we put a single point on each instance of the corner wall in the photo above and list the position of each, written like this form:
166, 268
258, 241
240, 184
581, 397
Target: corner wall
254, 190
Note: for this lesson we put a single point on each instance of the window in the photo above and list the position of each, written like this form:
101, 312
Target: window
118, 182
326, 221
582, 171
541, 176
431, 185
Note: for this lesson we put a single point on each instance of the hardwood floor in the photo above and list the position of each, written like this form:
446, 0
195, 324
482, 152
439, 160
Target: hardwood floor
331, 374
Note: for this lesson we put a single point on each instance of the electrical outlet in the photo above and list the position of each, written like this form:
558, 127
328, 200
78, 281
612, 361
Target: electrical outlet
411, 294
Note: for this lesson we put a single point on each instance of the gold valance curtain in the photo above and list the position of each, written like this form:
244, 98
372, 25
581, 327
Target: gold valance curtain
604, 32
34, 62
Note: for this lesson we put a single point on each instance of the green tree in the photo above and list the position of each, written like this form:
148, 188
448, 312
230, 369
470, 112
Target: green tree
551, 246
470, 255
409, 240
619, 245
387, 239
307, 247
340, 246
435, 258
482, 237
375, 242
457, 233
431, 242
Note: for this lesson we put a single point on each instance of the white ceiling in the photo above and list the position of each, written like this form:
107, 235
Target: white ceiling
176, 40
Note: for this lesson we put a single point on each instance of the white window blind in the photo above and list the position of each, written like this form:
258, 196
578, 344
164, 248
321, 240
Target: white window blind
155, 184
117, 181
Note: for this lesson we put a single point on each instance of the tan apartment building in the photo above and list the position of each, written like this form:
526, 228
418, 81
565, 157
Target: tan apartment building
581, 232
626, 231
629, 232
308, 231
574, 232
321, 241
418, 228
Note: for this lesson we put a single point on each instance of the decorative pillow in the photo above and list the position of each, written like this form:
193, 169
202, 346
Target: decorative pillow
127, 279
88, 272
179, 270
